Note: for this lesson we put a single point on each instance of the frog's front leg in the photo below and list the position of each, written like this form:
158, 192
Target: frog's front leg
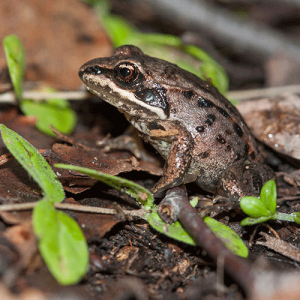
176, 145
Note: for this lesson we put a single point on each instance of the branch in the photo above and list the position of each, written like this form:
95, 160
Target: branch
10, 97
74, 207
176, 206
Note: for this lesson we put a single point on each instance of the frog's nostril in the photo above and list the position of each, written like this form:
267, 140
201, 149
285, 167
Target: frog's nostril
95, 70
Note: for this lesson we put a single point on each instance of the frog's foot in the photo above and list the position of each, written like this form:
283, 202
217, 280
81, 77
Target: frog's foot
164, 184
220, 205
239, 181
122, 142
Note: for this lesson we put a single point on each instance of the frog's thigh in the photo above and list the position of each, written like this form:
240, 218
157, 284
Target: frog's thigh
179, 155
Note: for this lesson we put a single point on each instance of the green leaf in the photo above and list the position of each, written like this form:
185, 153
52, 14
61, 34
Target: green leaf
229, 237
194, 201
269, 196
176, 231
55, 112
126, 186
119, 30
34, 163
15, 56
61, 243
254, 207
253, 221
209, 69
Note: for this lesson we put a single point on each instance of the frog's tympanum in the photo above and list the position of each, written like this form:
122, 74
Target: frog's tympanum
199, 133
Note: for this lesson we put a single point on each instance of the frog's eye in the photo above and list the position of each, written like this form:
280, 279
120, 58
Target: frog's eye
126, 72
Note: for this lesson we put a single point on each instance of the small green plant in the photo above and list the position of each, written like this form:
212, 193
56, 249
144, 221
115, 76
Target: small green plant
61, 241
264, 208
55, 112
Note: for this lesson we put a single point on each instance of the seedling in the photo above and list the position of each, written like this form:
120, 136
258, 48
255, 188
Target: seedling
264, 208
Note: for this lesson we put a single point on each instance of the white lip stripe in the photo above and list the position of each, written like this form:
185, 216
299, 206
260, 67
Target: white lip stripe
123, 94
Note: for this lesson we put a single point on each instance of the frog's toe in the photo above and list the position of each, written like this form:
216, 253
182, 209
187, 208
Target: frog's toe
163, 185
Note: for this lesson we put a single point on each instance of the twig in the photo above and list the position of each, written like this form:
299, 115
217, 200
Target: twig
4, 158
10, 97
272, 230
281, 247
176, 205
74, 207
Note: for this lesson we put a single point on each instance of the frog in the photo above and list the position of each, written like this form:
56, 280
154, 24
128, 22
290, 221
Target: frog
201, 136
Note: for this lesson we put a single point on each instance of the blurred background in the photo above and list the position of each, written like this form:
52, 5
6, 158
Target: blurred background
254, 43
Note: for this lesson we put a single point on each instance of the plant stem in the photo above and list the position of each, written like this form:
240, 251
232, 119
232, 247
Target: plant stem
285, 217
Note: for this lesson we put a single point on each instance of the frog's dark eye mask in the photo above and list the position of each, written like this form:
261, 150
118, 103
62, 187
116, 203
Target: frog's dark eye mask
154, 97
128, 74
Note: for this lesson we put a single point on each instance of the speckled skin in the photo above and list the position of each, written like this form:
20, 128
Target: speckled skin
197, 131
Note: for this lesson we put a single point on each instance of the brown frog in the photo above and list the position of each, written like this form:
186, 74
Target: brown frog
199, 133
